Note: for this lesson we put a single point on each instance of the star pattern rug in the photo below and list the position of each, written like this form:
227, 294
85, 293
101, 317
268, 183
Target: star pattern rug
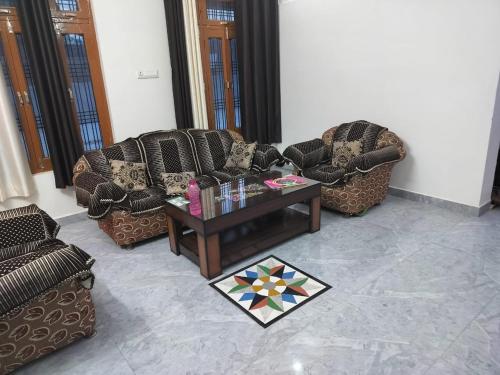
269, 289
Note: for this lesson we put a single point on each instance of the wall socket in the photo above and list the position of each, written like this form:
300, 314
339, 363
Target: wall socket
148, 74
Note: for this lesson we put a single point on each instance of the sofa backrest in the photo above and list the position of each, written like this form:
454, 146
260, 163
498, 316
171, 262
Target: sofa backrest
128, 150
170, 151
212, 148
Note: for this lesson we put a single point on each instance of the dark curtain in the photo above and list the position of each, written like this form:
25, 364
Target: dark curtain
257, 34
178, 61
63, 137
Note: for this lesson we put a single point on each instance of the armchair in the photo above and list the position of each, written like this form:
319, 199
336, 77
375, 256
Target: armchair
45, 300
353, 162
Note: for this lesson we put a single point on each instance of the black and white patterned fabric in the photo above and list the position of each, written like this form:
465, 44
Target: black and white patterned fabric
231, 174
148, 200
97, 193
372, 159
363, 131
127, 150
27, 276
306, 154
212, 148
326, 174
265, 157
170, 151
28, 247
25, 225
241, 155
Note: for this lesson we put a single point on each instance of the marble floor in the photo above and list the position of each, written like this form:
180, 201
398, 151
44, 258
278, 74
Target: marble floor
416, 290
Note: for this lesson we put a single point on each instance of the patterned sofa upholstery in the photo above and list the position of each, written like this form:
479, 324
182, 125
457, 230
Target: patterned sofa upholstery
45, 301
363, 180
139, 215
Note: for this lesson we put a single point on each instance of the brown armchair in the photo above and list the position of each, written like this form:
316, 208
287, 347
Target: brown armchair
353, 161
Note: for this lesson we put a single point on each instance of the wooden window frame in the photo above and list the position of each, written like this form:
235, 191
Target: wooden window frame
225, 31
80, 22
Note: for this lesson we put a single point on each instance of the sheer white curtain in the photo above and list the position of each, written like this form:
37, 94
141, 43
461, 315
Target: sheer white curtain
15, 175
195, 64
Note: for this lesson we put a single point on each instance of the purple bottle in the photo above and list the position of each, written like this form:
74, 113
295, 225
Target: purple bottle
194, 198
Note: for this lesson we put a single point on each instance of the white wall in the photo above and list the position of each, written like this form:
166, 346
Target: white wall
426, 69
130, 37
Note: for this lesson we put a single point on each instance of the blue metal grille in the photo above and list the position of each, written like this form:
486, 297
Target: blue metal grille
220, 10
236, 83
33, 96
67, 5
218, 84
12, 95
83, 92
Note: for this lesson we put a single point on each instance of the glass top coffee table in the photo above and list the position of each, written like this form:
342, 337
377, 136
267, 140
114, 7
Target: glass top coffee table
239, 219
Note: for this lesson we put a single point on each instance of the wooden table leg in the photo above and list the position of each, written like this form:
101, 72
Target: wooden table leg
209, 255
315, 214
174, 235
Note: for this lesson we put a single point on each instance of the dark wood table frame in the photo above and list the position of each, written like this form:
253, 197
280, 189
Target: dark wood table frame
272, 222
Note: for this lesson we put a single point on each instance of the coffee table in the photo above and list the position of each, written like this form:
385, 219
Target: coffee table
239, 219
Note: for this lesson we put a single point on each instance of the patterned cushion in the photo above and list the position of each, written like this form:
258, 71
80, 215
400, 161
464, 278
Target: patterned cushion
344, 151
363, 131
212, 147
147, 200
241, 155
306, 154
177, 183
170, 151
129, 176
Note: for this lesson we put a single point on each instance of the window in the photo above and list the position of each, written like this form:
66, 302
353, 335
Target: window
78, 49
220, 63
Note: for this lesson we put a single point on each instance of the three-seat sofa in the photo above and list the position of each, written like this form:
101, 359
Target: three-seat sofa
130, 217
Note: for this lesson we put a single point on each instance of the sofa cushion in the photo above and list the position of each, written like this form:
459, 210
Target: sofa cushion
129, 176
241, 155
363, 131
177, 183
326, 174
169, 151
147, 200
344, 151
98, 160
231, 174
212, 147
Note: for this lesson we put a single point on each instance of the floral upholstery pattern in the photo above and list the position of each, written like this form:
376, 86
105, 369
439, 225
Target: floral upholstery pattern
241, 155
129, 176
344, 151
177, 183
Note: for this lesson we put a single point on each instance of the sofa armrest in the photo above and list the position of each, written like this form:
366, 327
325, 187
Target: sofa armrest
265, 157
306, 154
25, 225
97, 193
366, 162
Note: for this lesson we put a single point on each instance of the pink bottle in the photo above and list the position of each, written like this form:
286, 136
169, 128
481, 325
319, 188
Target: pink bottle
194, 198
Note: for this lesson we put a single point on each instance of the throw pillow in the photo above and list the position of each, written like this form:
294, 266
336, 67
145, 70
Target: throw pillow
129, 176
344, 151
176, 183
241, 155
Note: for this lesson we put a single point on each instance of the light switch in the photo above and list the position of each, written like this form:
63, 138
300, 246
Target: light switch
148, 74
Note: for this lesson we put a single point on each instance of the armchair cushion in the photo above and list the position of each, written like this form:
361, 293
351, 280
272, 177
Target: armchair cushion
372, 159
26, 225
344, 151
265, 157
306, 154
362, 131
97, 193
24, 277
147, 200
326, 174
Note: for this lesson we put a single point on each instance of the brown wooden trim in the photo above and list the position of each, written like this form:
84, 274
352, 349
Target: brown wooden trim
174, 234
315, 214
82, 15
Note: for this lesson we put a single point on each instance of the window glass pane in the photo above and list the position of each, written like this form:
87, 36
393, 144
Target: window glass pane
7, 3
236, 83
220, 10
12, 95
83, 92
33, 96
218, 84
67, 5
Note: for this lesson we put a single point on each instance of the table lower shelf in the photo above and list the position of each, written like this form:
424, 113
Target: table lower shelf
252, 237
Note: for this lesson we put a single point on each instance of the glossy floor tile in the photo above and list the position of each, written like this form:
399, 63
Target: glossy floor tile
415, 290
